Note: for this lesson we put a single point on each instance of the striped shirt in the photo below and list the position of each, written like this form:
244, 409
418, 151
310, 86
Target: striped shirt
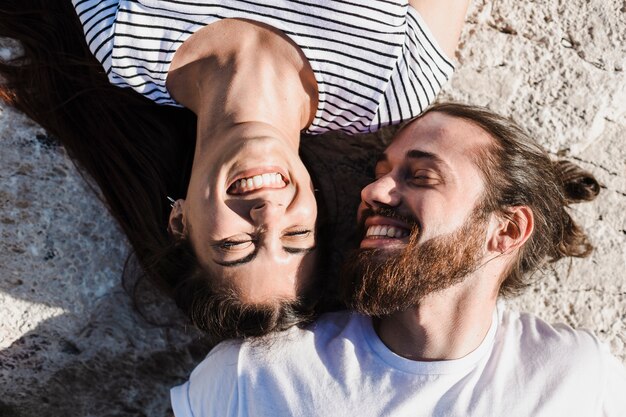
375, 61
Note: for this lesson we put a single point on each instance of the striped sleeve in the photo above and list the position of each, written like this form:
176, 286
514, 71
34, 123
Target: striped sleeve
98, 20
146, 40
419, 75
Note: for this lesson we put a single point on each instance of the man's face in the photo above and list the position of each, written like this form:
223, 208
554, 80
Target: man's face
423, 225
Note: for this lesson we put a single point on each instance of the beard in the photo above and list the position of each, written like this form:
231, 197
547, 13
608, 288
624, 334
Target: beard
380, 282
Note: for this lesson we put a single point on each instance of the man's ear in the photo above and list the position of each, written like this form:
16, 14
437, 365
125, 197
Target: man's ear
512, 230
177, 225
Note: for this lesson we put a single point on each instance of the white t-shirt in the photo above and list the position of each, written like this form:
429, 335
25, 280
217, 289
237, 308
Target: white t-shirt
375, 61
339, 367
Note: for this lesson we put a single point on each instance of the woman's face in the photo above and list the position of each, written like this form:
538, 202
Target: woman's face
250, 215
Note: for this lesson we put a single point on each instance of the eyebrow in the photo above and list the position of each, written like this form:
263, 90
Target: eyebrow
254, 253
417, 154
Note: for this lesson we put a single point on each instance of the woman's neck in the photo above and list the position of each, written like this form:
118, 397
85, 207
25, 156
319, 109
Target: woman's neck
234, 72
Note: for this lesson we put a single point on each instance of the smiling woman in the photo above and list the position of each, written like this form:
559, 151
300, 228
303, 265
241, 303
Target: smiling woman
239, 249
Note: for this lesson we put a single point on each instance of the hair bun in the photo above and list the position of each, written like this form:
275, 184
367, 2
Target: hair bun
579, 185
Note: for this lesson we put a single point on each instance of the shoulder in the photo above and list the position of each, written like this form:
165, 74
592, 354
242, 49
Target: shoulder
533, 334
532, 330
265, 371
559, 362
278, 357
226, 354
293, 343
335, 322
218, 370
212, 386
556, 349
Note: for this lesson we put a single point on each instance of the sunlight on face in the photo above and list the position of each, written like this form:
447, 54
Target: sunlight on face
251, 220
427, 177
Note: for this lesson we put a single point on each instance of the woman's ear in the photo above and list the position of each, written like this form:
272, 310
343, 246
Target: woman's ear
513, 230
177, 225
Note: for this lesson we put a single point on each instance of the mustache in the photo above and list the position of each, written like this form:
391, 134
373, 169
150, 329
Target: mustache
389, 213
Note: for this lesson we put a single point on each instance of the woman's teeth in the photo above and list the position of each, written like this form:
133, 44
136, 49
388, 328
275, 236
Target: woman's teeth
273, 180
386, 231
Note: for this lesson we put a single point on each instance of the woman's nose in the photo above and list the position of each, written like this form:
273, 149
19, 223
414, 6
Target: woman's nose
382, 192
265, 211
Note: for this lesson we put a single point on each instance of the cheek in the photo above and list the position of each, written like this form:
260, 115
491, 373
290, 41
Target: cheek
362, 208
210, 223
306, 279
441, 216
311, 206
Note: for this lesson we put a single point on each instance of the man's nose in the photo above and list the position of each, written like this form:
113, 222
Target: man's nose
382, 192
265, 211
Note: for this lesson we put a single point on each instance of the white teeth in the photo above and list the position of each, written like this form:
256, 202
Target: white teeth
259, 181
386, 231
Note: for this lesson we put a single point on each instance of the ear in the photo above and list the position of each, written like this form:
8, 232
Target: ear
177, 225
512, 230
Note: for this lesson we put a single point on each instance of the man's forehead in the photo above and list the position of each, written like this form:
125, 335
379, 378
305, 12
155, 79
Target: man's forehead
441, 132
418, 154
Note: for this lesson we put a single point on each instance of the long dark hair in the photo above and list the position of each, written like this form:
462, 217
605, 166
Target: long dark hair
136, 152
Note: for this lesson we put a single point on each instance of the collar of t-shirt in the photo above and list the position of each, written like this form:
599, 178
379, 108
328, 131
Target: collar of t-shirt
453, 366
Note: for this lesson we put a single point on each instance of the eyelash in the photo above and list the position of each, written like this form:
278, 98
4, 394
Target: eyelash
230, 244
424, 181
298, 232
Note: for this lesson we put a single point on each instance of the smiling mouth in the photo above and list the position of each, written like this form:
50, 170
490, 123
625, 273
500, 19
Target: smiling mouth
385, 236
268, 180
384, 232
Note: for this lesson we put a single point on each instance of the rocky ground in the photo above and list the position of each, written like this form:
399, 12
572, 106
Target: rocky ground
71, 342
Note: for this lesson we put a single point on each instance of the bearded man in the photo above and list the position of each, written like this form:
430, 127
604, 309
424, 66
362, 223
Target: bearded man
463, 208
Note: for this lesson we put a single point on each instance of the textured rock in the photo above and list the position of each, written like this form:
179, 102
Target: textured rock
71, 342
557, 68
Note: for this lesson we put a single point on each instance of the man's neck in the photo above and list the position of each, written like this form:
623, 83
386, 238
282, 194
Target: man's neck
444, 326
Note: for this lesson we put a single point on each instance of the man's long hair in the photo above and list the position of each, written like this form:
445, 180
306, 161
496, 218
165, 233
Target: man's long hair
518, 172
136, 152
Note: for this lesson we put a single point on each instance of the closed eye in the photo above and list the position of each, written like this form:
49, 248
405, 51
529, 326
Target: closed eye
229, 245
302, 233
424, 177
425, 182
252, 255
381, 169
294, 239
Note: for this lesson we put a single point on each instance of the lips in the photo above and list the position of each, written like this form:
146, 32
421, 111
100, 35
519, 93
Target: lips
257, 179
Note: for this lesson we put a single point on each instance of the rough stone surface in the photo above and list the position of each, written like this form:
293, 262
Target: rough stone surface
71, 342
557, 68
